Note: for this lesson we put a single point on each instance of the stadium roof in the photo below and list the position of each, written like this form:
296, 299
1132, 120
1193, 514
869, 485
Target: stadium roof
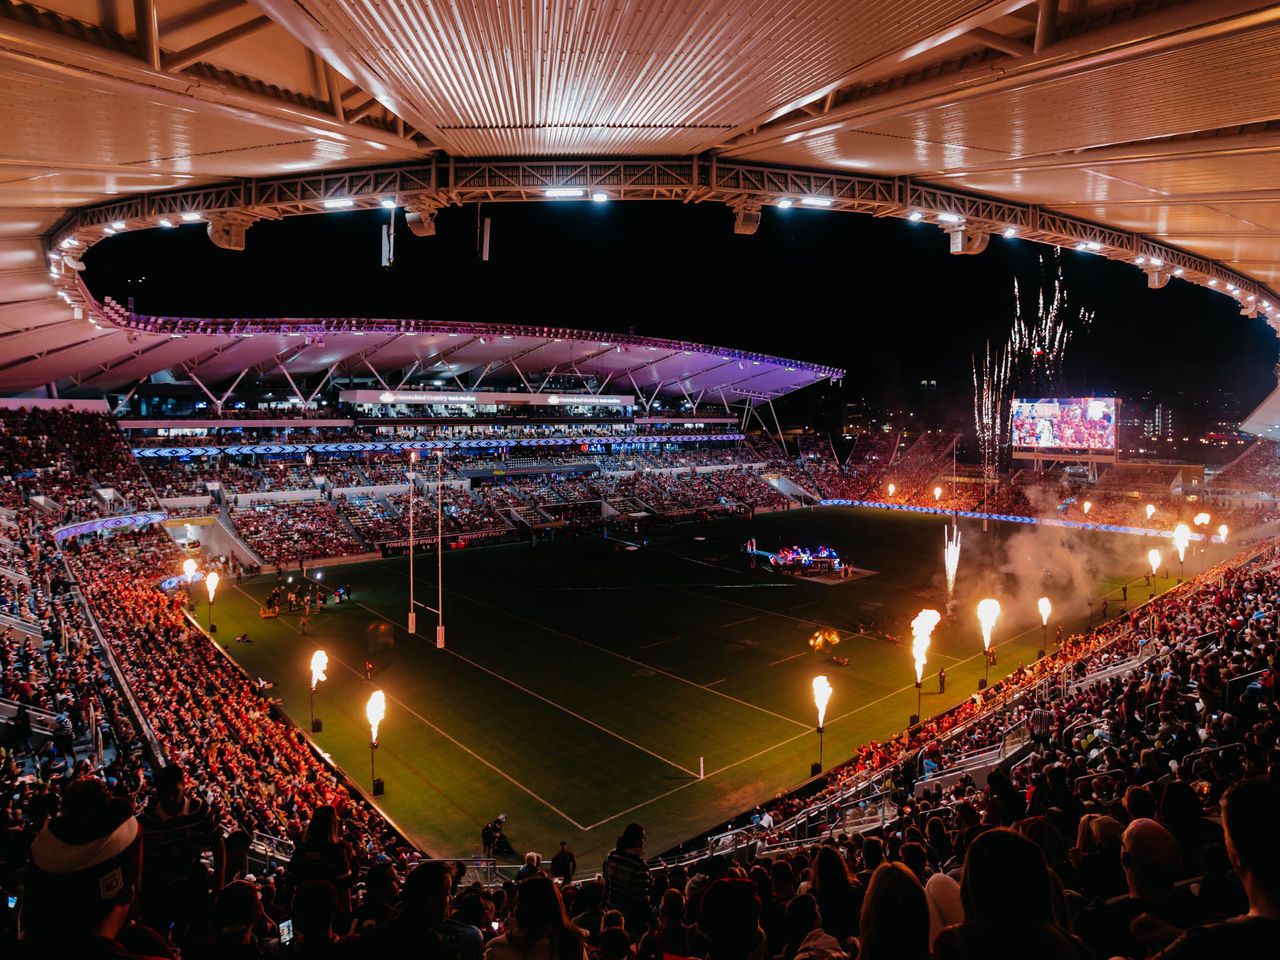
1143, 131
124, 347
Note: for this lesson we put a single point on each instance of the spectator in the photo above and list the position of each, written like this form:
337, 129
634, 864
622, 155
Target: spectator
424, 919
86, 868
236, 912
564, 864
1253, 845
839, 897
323, 855
729, 921
627, 878
806, 940
1150, 859
177, 830
895, 916
1008, 911
541, 930
315, 907
671, 936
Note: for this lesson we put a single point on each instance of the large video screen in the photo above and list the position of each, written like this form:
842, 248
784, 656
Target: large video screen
1074, 423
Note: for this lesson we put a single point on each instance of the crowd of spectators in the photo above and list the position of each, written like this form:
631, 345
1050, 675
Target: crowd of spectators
286, 531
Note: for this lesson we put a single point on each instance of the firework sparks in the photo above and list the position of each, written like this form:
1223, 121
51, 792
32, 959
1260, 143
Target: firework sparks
824, 640
375, 710
991, 407
951, 555
821, 694
921, 627
988, 610
319, 664
1045, 608
1181, 537
1153, 558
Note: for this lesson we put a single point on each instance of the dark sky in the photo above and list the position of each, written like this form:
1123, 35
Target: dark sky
880, 297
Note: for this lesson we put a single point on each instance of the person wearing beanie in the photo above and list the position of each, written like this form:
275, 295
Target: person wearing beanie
84, 876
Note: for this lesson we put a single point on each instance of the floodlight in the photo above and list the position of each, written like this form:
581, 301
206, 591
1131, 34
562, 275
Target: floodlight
339, 203
560, 192
816, 201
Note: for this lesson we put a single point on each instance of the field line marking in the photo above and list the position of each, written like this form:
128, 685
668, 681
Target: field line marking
620, 656
785, 659
462, 746
714, 682
737, 623
457, 743
578, 716
798, 606
658, 643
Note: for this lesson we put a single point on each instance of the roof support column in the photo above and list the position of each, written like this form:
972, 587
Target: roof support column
778, 425
147, 32
323, 380
196, 380
296, 392
405, 378
1046, 24
376, 374
234, 383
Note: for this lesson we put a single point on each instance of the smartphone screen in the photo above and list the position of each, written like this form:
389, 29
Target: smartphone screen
286, 931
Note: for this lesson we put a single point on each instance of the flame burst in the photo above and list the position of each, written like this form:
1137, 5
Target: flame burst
1201, 519
824, 640
1181, 537
1088, 505
921, 627
937, 494
211, 581
1153, 558
319, 664
188, 567
1045, 608
1150, 510
988, 610
821, 694
1222, 532
375, 710
891, 489
951, 556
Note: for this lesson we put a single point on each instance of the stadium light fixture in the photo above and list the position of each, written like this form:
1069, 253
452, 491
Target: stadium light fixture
949, 218
556, 193
190, 217
600, 197
1178, 272
915, 216
1251, 298
1141, 260
339, 203
166, 222
1157, 262
108, 230
1213, 282
1093, 245
1010, 232
816, 201
388, 203
1080, 246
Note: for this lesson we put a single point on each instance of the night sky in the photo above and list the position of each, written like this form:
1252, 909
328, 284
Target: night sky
880, 297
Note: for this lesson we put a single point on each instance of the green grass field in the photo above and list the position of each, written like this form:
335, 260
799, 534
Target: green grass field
582, 681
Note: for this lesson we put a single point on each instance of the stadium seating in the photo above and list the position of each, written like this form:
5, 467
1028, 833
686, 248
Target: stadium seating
1095, 777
